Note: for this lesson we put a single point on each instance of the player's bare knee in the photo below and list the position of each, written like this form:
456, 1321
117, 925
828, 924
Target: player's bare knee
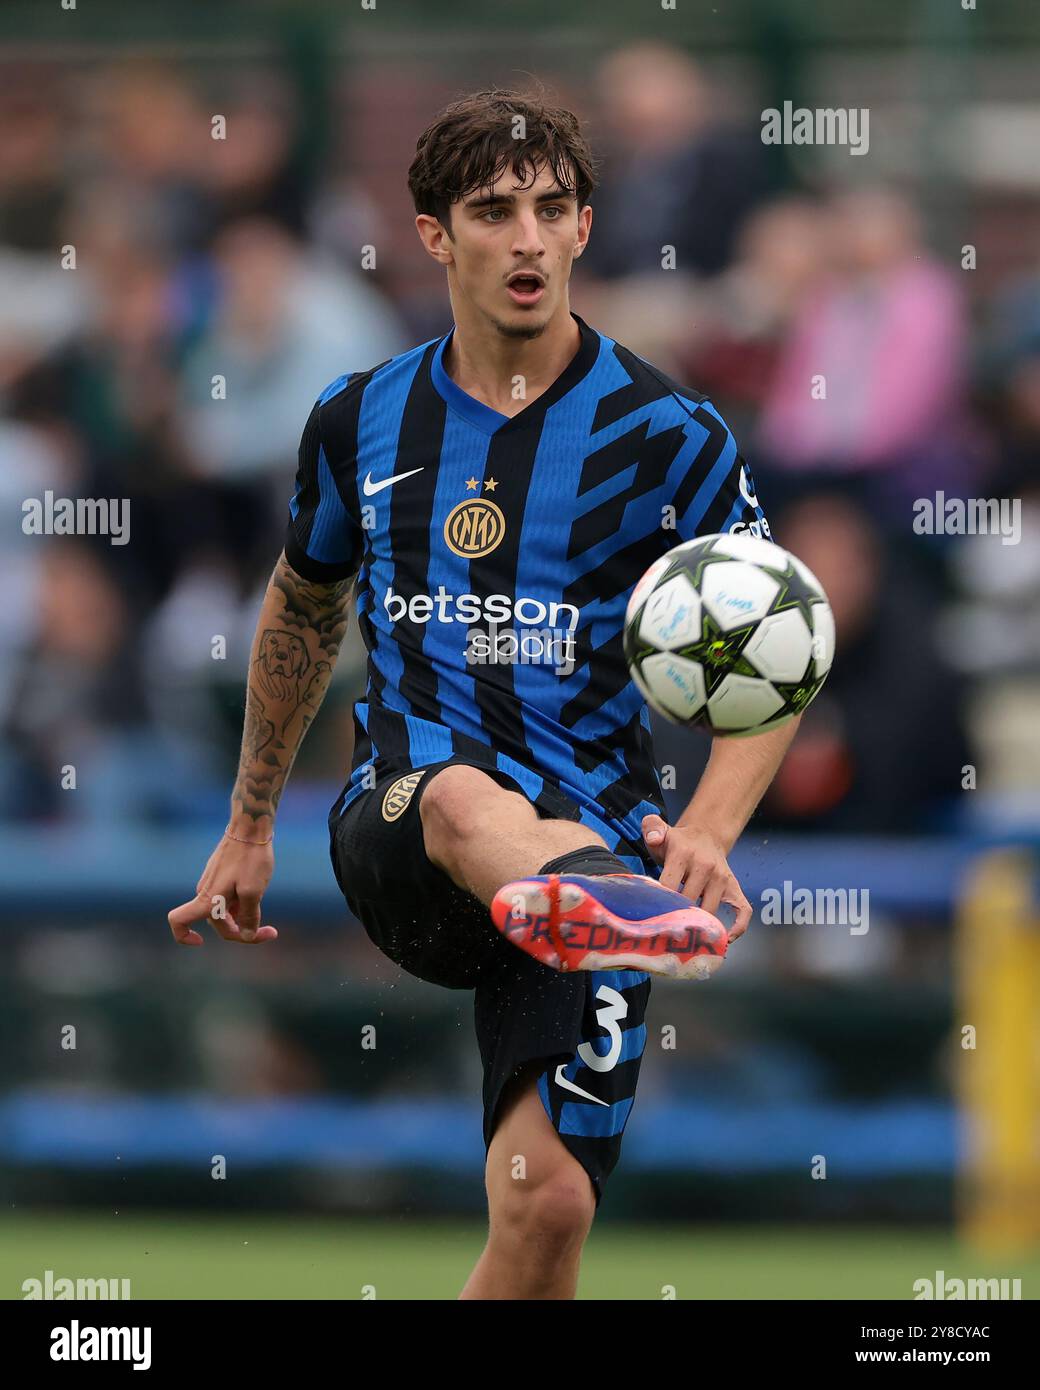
552, 1214
456, 806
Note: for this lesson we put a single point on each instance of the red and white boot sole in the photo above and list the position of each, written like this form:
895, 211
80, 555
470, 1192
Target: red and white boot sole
567, 927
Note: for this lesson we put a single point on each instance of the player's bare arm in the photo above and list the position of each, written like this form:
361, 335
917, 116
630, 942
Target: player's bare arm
297, 641
693, 851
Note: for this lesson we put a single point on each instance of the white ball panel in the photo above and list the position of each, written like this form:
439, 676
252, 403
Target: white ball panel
781, 646
672, 616
676, 685
645, 584
750, 548
641, 684
736, 593
741, 702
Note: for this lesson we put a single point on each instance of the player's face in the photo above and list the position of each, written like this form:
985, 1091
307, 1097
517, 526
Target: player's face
512, 249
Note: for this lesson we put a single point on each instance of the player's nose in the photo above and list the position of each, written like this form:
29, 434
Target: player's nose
528, 242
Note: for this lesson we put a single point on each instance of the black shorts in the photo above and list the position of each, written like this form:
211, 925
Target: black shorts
586, 1030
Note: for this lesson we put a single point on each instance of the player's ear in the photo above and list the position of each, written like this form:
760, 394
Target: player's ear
435, 237
584, 227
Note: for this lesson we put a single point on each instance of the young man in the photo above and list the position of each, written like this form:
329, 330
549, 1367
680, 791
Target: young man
512, 480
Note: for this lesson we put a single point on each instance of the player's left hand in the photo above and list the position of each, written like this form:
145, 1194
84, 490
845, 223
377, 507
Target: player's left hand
694, 864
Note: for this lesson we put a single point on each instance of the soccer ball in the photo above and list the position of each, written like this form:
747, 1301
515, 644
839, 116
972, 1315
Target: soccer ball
729, 633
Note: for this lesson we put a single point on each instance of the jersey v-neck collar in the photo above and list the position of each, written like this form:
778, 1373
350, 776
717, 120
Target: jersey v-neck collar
489, 421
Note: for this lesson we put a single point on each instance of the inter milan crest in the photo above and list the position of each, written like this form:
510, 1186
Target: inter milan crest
475, 527
398, 795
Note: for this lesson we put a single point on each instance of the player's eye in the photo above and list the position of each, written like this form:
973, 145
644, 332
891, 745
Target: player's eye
494, 212
557, 211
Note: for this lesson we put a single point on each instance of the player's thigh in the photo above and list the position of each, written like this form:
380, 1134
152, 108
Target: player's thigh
406, 900
459, 803
410, 908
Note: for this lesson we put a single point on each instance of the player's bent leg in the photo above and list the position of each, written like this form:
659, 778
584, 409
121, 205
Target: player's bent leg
483, 835
540, 1205
491, 842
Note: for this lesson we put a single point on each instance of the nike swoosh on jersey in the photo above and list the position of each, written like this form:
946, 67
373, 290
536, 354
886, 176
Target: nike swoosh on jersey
370, 488
569, 1085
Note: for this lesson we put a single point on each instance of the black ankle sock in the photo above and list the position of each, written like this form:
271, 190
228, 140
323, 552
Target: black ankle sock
590, 859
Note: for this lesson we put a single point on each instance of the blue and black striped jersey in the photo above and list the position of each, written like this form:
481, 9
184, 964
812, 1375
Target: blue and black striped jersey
495, 556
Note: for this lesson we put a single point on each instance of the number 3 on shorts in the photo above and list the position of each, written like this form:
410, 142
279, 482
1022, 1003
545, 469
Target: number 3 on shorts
614, 1007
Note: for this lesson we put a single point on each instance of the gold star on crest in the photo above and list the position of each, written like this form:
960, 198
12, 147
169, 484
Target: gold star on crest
490, 485
471, 483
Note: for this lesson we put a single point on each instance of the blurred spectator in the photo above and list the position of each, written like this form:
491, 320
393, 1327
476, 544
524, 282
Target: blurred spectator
286, 324
672, 175
254, 171
40, 303
882, 746
110, 387
884, 334
994, 628
740, 319
33, 190
149, 136
74, 695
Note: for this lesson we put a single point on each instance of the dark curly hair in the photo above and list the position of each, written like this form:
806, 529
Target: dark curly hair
475, 139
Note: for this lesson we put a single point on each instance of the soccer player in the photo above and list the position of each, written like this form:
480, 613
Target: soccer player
492, 497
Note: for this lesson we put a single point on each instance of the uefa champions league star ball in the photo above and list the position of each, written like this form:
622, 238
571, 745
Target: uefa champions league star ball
729, 633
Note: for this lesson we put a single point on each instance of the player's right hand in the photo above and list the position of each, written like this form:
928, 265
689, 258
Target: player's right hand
228, 896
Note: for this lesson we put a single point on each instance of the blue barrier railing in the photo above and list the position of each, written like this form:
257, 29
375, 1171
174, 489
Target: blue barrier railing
78, 872
863, 1140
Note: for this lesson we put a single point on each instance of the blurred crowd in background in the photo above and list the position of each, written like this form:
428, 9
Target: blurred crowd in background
241, 258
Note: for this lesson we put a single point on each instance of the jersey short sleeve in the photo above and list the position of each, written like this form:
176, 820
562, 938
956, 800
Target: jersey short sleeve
714, 487
323, 541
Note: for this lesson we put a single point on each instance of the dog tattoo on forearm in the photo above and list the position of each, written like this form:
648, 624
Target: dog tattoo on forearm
283, 674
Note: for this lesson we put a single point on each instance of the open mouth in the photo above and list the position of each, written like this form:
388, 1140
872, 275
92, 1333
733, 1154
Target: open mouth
526, 289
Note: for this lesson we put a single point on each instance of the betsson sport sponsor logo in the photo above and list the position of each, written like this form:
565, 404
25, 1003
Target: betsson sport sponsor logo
543, 634
472, 608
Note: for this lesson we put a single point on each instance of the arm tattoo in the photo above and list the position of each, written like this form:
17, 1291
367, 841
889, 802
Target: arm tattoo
319, 607
298, 640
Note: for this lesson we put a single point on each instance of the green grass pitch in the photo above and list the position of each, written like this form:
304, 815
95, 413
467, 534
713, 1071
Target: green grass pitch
165, 1255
